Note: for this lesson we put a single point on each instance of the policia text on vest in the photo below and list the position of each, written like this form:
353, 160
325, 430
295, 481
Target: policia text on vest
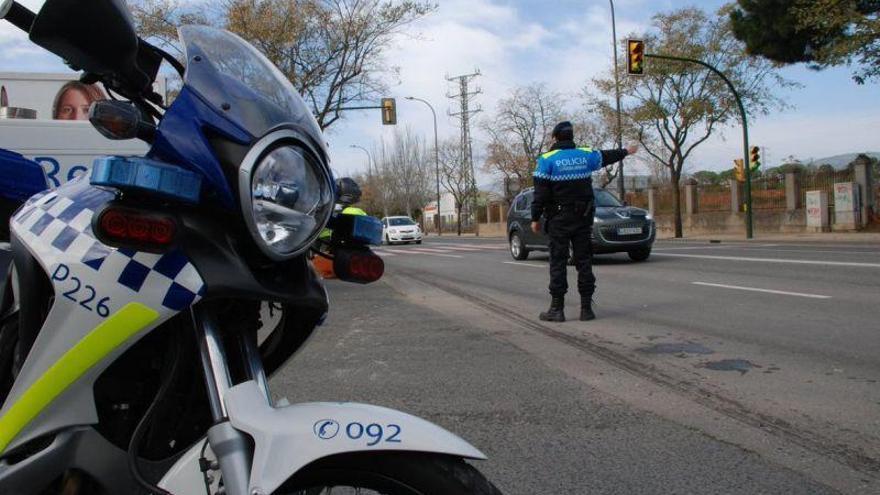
564, 199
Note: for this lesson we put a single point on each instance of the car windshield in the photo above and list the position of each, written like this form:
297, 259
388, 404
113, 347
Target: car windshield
241, 83
605, 199
397, 222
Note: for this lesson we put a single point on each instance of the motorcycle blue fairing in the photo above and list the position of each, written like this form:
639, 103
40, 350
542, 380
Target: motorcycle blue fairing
214, 104
20, 178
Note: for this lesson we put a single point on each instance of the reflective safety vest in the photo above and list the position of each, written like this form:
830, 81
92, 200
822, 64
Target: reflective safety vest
348, 210
568, 164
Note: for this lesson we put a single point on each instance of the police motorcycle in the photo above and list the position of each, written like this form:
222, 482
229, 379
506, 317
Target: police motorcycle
131, 359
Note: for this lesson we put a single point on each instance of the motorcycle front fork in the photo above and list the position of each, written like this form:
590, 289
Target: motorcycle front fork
231, 447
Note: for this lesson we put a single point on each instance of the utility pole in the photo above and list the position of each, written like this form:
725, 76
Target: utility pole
464, 96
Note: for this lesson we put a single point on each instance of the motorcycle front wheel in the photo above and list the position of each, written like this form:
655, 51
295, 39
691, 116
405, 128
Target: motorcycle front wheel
389, 473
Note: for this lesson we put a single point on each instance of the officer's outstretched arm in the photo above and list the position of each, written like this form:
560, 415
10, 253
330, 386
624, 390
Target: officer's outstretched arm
610, 157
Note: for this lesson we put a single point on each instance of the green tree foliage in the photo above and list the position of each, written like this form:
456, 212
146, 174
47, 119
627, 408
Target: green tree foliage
822, 33
676, 107
707, 177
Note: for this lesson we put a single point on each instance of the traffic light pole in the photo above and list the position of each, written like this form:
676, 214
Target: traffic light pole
745, 124
621, 188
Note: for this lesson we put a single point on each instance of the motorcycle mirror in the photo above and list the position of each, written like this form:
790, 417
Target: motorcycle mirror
96, 37
118, 120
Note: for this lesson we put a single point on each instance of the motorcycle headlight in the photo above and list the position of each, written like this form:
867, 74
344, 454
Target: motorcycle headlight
286, 196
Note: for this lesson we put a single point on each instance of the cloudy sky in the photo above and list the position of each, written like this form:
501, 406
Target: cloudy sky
564, 44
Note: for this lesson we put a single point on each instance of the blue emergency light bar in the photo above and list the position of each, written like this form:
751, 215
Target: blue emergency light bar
147, 175
367, 230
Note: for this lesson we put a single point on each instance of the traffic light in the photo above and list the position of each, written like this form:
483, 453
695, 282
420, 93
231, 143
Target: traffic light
389, 111
635, 62
755, 158
739, 172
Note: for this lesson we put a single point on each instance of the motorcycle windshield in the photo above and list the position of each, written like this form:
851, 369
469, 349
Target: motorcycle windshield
242, 84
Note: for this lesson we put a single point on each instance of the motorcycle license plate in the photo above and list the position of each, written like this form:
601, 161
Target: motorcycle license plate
629, 231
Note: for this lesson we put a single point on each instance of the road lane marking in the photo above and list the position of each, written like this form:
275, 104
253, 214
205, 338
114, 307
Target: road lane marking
767, 291
690, 248
383, 253
429, 250
807, 251
410, 251
771, 260
524, 264
471, 246
455, 248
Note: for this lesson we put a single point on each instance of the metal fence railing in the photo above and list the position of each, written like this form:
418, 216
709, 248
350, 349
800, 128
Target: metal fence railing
639, 199
713, 197
823, 182
876, 212
665, 200
768, 193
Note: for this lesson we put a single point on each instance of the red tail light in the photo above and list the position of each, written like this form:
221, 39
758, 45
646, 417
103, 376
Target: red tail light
361, 266
141, 229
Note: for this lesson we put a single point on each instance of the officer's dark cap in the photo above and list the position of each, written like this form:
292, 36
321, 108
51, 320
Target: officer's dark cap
563, 131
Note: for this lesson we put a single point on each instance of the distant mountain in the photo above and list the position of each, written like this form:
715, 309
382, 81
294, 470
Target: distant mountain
840, 161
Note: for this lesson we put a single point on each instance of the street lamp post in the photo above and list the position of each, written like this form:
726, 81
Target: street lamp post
620, 187
436, 163
370, 166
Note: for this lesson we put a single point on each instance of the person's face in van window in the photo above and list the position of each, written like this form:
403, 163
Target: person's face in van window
74, 105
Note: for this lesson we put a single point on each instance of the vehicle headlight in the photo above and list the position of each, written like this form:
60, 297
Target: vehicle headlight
286, 196
598, 220
649, 216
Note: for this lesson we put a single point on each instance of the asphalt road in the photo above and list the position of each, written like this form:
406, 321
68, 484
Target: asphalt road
713, 368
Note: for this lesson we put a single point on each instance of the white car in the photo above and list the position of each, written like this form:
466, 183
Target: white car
401, 229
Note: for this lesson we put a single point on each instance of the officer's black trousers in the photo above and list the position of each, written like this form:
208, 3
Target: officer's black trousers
564, 229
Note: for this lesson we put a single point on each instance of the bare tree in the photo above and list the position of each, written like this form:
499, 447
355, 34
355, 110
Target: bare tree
594, 126
455, 176
331, 50
405, 164
676, 107
520, 131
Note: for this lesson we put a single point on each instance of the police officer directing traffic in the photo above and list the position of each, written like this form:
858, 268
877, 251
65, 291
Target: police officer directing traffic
564, 198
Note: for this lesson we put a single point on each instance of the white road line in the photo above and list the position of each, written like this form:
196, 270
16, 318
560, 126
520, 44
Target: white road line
383, 253
471, 246
524, 264
429, 250
767, 291
771, 260
691, 248
455, 248
410, 251
807, 251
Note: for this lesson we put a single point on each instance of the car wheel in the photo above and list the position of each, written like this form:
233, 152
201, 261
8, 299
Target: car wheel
640, 254
387, 240
517, 248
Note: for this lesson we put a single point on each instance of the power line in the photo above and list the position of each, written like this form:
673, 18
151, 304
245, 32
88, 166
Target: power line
466, 110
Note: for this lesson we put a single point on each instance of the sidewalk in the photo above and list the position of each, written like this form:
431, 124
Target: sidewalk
872, 238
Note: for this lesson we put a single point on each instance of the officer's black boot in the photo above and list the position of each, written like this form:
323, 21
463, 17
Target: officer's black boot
556, 311
587, 309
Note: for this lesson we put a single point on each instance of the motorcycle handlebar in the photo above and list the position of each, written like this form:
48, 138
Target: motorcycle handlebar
17, 14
